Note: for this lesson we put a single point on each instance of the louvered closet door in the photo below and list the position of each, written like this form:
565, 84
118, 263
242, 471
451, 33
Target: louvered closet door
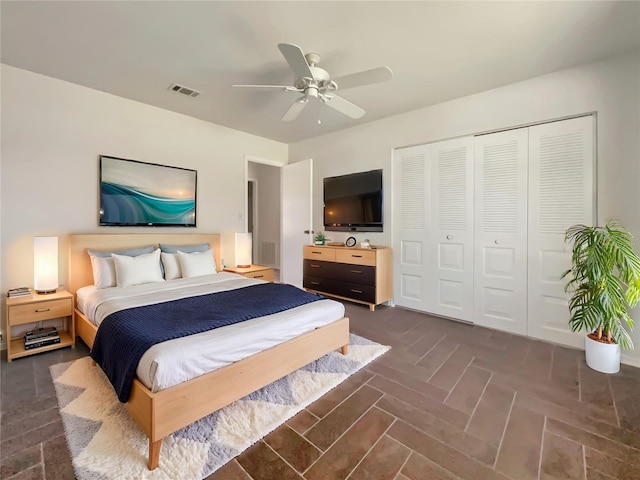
452, 225
413, 287
500, 251
561, 194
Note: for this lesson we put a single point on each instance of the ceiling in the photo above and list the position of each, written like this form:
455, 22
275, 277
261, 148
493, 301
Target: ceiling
437, 50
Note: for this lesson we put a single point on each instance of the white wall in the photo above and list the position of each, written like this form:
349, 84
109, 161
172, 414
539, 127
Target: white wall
610, 88
52, 135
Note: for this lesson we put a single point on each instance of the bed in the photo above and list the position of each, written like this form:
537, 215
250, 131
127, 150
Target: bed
160, 413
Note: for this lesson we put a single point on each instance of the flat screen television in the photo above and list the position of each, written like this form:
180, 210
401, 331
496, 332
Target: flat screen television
353, 203
134, 193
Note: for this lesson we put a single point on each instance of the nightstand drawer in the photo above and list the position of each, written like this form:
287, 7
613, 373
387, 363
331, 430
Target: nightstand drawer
36, 312
266, 275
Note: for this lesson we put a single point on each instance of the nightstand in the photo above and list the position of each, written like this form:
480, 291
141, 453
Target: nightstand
38, 308
254, 271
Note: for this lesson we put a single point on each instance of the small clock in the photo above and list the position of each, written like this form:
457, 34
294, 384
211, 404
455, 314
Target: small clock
351, 241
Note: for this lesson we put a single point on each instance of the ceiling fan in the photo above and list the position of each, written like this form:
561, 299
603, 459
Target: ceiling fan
314, 82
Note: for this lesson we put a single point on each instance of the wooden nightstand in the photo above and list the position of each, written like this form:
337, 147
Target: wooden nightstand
254, 271
37, 308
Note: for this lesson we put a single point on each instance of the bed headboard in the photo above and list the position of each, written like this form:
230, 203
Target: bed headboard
80, 273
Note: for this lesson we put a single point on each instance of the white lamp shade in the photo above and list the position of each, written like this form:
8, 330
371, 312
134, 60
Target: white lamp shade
243, 249
45, 263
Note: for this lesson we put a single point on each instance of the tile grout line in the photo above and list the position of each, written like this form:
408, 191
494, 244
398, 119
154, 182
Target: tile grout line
372, 447
553, 356
442, 364
428, 351
544, 430
478, 403
458, 381
280, 457
579, 379
613, 400
411, 451
504, 431
584, 461
340, 436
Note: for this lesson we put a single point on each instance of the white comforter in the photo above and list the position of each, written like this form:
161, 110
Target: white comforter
175, 361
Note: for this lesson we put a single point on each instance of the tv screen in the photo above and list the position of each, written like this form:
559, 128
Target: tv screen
353, 203
134, 193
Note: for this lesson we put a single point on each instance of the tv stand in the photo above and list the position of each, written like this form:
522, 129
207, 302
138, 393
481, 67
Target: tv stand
361, 275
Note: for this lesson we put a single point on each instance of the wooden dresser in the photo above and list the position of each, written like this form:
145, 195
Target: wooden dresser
362, 275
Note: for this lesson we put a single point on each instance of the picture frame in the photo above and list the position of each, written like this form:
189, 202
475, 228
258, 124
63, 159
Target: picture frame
135, 193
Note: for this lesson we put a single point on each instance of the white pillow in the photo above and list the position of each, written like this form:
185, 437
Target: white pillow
137, 270
104, 272
197, 263
171, 264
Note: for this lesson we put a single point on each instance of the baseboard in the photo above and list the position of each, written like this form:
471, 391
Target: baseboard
630, 360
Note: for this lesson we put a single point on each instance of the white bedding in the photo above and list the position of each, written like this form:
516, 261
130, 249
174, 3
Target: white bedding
175, 361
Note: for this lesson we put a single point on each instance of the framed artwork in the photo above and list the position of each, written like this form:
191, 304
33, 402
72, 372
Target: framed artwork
134, 193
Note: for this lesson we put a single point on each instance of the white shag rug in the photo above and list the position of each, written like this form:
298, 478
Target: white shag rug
105, 443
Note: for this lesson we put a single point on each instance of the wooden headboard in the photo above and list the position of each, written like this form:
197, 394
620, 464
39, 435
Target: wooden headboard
80, 273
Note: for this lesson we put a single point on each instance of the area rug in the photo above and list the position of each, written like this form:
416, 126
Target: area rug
105, 443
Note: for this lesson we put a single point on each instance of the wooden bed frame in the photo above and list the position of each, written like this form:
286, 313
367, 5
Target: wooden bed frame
162, 413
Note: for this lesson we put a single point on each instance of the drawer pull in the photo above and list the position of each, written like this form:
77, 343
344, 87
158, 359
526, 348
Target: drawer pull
314, 266
356, 291
317, 253
43, 310
258, 276
315, 283
356, 256
356, 271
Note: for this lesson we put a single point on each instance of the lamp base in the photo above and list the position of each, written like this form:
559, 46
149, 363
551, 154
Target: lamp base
46, 292
243, 266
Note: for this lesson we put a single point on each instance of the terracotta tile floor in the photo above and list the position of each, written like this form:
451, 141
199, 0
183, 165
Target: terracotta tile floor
449, 401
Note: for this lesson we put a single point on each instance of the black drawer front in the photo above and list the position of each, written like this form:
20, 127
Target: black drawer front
343, 272
360, 274
320, 269
344, 289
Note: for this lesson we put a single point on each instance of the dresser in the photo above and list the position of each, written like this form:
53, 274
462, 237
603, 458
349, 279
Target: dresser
361, 275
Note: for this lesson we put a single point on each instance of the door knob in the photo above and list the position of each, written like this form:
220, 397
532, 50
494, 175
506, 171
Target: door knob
449, 237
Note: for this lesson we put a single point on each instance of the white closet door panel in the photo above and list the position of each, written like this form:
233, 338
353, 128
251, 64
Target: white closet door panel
500, 240
452, 224
413, 286
561, 194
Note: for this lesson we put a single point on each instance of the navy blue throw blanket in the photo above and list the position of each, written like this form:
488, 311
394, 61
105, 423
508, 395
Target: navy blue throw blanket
124, 336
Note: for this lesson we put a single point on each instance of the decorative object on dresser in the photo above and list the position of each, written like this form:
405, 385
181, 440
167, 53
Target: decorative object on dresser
19, 292
319, 238
253, 271
350, 242
39, 308
355, 274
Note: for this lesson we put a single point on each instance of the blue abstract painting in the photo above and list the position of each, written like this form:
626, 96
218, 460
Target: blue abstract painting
146, 194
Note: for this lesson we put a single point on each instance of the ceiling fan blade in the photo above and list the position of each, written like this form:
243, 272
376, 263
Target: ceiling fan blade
294, 110
343, 106
295, 58
375, 75
281, 87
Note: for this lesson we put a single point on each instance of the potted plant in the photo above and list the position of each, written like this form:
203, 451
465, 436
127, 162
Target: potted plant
319, 239
604, 279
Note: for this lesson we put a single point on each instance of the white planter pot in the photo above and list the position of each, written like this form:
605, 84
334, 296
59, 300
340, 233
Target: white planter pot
602, 357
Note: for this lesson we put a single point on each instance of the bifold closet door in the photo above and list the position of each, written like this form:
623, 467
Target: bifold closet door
500, 251
561, 194
451, 247
413, 285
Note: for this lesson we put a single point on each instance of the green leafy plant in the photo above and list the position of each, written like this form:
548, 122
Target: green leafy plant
320, 237
604, 279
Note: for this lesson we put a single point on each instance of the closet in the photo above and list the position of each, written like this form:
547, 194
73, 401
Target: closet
479, 225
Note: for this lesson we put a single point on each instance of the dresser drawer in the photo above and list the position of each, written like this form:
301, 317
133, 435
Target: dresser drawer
319, 253
358, 257
353, 273
343, 289
318, 268
36, 312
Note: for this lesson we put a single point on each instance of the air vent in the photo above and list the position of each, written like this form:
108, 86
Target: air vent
189, 92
